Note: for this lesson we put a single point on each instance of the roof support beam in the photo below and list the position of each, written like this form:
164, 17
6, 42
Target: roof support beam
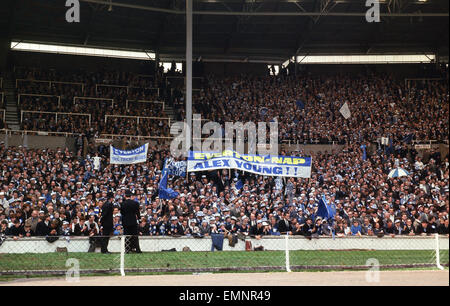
225, 13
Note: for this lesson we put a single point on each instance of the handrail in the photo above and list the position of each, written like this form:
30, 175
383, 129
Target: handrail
47, 133
145, 101
55, 113
157, 88
184, 90
146, 76
105, 136
38, 95
136, 117
50, 82
93, 98
430, 142
134, 136
110, 85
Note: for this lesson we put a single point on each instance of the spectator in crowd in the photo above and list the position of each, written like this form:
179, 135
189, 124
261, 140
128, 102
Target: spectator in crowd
44, 188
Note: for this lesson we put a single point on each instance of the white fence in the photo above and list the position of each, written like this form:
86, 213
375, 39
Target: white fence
55, 114
272, 243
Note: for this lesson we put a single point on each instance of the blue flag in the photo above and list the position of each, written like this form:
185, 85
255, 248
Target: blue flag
322, 211
331, 208
163, 191
263, 111
363, 147
239, 184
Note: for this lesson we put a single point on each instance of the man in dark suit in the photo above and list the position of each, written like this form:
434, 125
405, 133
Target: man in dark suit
308, 228
43, 226
106, 222
130, 216
284, 226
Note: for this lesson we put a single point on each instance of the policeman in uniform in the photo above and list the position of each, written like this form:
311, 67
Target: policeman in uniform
106, 222
130, 216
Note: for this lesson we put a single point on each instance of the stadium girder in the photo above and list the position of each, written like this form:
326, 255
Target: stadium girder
252, 30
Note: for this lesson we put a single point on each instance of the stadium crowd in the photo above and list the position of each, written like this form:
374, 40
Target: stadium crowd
306, 107
57, 192
97, 94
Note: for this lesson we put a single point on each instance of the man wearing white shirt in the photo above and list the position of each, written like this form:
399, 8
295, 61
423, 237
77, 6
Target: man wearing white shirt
96, 161
418, 164
3, 201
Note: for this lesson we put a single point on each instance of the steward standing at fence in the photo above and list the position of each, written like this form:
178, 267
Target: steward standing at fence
130, 216
106, 222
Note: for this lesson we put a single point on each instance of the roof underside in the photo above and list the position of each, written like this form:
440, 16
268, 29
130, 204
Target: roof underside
251, 37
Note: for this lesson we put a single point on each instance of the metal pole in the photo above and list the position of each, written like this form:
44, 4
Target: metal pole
188, 73
438, 257
288, 265
122, 255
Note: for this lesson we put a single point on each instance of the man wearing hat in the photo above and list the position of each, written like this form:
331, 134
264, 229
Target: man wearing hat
130, 216
284, 226
257, 230
174, 227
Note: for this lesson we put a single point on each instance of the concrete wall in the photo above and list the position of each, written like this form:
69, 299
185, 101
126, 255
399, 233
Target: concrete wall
272, 243
38, 141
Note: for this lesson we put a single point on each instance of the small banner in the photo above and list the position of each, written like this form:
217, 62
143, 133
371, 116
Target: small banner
177, 168
126, 157
288, 166
345, 111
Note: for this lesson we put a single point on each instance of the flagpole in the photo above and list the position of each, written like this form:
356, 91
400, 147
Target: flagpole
189, 73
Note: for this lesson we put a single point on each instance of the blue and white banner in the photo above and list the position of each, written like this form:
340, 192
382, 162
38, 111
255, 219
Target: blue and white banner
289, 166
126, 157
177, 168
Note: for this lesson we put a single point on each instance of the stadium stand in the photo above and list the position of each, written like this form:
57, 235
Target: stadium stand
40, 187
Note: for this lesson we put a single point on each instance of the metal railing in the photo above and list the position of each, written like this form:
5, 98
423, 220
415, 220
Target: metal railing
127, 102
50, 82
219, 252
133, 137
138, 118
428, 142
54, 113
93, 98
38, 95
10, 132
144, 88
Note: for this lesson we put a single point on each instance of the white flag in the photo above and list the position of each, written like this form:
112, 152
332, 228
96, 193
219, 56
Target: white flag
345, 111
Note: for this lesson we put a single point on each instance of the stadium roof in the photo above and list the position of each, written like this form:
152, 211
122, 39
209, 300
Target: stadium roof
247, 30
